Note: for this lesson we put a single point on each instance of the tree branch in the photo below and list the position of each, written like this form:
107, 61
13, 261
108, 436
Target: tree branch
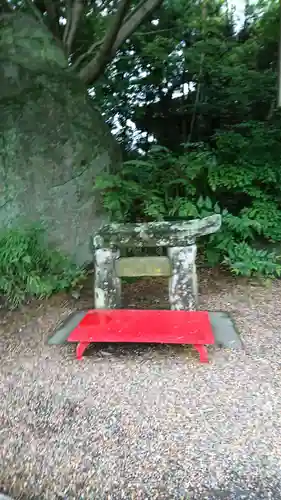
133, 21
36, 11
72, 23
51, 9
83, 56
39, 4
95, 67
197, 97
105, 4
198, 90
134, 10
68, 8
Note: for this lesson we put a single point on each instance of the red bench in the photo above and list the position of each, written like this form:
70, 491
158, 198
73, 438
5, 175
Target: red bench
144, 326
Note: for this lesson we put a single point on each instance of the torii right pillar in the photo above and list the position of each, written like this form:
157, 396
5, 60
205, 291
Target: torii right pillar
183, 284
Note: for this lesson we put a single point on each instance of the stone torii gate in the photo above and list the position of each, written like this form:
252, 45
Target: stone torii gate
108, 322
179, 266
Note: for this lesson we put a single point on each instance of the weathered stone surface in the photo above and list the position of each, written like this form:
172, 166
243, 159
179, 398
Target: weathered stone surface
64, 329
224, 330
183, 291
159, 234
53, 142
143, 266
107, 285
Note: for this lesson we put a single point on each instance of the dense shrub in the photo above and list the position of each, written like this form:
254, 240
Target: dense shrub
239, 178
28, 268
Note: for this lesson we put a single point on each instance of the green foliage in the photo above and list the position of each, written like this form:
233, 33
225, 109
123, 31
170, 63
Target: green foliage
28, 268
205, 88
243, 188
229, 72
247, 261
155, 187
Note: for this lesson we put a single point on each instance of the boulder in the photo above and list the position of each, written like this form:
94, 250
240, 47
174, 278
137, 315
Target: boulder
53, 141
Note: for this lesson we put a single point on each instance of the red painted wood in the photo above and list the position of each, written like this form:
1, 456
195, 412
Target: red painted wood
144, 326
81, 347
203, 353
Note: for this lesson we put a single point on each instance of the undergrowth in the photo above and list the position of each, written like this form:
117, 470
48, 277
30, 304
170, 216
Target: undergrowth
30, 269
239, 178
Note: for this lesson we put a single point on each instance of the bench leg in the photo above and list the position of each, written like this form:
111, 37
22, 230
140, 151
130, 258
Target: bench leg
81, 347
203, 353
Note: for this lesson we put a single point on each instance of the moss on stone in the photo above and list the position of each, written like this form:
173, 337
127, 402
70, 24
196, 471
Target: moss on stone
53, 141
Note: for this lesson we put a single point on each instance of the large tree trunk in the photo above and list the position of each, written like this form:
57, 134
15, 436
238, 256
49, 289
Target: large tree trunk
53, 141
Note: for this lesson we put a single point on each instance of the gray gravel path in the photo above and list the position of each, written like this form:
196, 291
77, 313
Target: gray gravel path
144, 422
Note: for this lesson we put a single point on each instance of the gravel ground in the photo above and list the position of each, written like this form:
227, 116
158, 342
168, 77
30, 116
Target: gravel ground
143, 422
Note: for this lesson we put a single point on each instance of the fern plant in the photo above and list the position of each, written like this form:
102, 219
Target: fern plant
243, 187
245, 260
28, 268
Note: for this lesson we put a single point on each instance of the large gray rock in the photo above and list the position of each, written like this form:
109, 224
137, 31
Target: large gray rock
53, 142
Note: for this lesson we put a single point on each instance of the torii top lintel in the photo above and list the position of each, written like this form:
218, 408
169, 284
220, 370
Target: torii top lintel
156, 234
